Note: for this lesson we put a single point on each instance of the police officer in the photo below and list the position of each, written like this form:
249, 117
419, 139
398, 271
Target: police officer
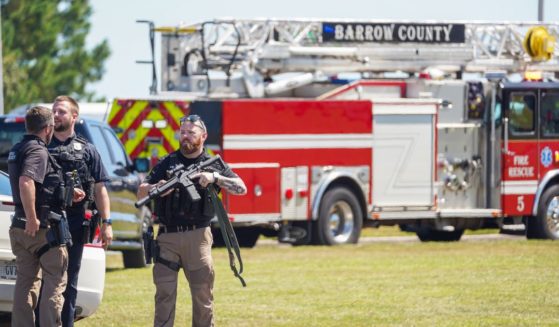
74, 153
36, 182
184, 238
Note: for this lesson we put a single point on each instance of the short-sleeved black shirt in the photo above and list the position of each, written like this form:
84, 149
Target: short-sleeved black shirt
91, 157
159, 172
96, 169
27, 158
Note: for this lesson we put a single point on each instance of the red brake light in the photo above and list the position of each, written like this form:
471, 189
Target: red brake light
14, 120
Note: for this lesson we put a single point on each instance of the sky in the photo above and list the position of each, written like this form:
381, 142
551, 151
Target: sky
115, 21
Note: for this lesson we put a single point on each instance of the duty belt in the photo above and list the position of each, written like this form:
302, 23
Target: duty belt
180, 228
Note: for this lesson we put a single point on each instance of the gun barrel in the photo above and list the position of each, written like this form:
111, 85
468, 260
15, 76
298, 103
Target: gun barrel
142, 201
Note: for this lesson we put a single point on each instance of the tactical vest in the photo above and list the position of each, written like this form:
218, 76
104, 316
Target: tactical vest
71, 157
177, 207
49, 194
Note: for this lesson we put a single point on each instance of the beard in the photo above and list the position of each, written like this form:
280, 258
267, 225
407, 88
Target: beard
190, 148
62, 126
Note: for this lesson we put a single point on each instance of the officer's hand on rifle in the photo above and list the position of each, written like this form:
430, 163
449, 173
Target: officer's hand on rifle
79, 195
161, 182
204, 178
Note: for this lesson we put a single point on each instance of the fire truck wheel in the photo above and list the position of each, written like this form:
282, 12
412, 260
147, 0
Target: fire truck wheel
546, 224
428, 234
247, 236
340, 218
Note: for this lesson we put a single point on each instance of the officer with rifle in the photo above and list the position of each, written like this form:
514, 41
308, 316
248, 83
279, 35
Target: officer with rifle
184, 206
39, 233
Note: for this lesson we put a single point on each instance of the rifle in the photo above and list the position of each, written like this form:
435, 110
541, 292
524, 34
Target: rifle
181, 177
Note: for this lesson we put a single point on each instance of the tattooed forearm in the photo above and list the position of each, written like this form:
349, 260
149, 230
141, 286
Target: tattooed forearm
232, 185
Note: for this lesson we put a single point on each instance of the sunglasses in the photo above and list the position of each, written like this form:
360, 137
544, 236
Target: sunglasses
194, 119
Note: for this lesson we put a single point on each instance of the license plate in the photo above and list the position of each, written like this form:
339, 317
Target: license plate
8, 270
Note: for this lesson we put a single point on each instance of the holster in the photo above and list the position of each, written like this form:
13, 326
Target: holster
149, 244
157, 258
59, 231
86, 231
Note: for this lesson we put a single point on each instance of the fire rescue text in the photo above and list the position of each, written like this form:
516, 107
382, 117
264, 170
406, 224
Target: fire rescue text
522, 168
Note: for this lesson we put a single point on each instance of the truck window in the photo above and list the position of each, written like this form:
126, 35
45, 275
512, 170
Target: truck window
116, 147
521, 113
550, 115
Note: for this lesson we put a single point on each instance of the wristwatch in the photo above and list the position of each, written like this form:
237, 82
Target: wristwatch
107, 221
216, 177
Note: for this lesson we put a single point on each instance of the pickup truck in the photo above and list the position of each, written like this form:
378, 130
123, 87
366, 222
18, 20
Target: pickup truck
128, 222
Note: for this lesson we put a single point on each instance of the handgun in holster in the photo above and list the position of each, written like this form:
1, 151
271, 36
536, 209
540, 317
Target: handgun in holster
59, 231
149, 245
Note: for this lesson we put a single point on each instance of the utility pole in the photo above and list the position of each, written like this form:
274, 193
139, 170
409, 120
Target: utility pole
540, 10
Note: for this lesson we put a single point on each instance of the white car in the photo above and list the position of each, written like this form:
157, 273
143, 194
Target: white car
92, 275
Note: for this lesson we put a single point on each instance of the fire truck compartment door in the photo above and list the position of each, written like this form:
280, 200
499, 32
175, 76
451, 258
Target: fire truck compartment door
294, 193
262, 201
403, 154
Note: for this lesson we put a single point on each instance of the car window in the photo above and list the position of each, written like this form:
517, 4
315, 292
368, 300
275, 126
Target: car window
116, 147
101, 145
80, 130
10, 134
5, 185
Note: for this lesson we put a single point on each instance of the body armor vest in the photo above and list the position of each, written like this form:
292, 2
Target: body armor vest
71, 157
178, 209
48, 195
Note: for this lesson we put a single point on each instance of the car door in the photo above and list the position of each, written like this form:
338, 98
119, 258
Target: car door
123, 184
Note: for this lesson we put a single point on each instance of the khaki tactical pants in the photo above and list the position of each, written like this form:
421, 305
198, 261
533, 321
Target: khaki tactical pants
192, 251
52, 265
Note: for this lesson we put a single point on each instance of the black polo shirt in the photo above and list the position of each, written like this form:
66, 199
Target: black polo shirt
27, 158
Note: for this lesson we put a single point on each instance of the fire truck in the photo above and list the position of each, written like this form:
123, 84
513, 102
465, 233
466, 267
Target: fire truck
335, 125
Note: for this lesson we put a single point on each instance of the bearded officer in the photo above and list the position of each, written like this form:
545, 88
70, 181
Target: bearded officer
185, 238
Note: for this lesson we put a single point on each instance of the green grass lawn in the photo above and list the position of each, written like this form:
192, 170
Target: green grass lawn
485, 283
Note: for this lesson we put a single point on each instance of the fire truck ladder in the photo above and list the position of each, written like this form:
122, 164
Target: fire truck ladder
260, 48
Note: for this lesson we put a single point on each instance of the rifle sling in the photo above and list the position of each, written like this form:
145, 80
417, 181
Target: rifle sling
228, 234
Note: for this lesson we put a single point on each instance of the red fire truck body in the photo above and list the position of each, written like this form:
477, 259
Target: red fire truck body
321, 159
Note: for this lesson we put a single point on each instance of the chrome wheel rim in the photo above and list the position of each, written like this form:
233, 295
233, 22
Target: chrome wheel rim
341, 221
